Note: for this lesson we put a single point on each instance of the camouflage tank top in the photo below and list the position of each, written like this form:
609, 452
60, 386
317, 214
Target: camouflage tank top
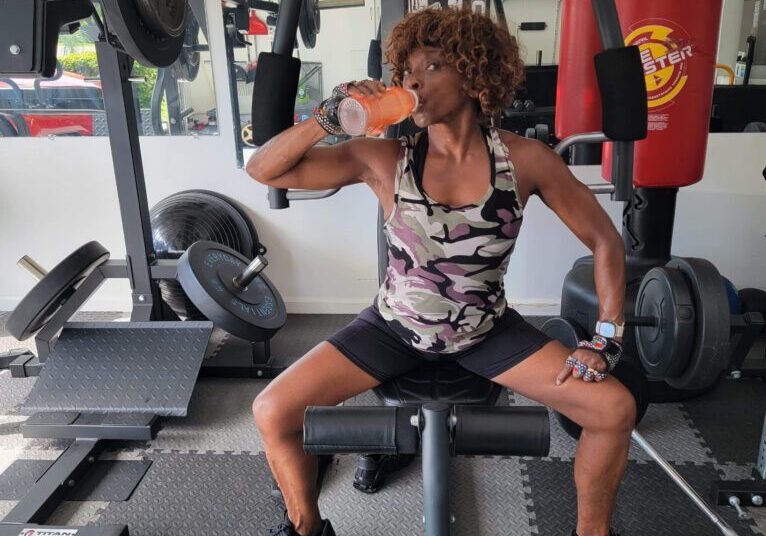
443, 288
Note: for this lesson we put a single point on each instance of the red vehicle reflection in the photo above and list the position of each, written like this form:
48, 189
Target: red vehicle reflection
65, 106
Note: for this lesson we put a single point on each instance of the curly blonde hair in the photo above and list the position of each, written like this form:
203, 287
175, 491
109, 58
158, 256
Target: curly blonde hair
485, 55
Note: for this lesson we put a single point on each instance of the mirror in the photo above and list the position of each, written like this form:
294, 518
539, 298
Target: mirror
176, 101
339, 55
536, 25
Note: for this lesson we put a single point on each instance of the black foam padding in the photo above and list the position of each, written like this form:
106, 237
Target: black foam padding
499, 431
623, 93
375, 60
648, 502
122, 367
364, 430
274, 91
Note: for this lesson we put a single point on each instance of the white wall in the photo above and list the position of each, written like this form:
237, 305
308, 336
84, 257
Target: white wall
518, 11
56, 194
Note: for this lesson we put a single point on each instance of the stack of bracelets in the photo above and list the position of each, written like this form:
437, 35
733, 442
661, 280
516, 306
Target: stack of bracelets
608, 349
327, 112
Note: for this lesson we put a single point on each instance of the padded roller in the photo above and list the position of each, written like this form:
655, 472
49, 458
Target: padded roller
501, 431
364, 430
623, 93
276, 85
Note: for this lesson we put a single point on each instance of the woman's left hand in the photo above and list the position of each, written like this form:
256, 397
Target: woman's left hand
583, 364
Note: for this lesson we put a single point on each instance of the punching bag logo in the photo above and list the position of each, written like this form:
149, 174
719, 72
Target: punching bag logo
665, 50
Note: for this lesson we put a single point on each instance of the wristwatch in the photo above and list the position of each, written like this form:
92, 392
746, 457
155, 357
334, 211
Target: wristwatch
610, 330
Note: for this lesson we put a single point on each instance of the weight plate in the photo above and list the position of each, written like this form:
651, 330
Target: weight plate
665, 348
206, 272
308, 22
53, 290
186, 67
712, 327
165, 17
149, 39
247, 135
566, 331
542, 133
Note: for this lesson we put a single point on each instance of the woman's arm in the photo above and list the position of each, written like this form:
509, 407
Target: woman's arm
291, 160
577, 207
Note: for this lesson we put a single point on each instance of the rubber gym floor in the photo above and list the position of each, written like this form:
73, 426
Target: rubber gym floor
207, 473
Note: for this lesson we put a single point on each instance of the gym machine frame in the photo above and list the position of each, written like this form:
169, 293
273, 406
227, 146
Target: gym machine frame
143, 270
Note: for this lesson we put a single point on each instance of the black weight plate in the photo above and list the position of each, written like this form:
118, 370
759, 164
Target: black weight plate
308, 22
566, 331
164, 17
205, 272
665, 348
186, 67
712, 326
53, 290
542, 133
140, 38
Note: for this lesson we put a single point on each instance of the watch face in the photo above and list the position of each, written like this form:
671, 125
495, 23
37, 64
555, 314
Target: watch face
607, 330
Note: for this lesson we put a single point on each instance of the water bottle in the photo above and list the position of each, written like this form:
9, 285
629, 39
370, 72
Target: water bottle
362, 114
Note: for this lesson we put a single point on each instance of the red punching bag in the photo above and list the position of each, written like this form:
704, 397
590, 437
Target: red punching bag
678, 42
578, 103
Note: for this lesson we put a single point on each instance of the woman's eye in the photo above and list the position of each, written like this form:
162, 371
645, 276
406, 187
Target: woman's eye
433, 66
405, 73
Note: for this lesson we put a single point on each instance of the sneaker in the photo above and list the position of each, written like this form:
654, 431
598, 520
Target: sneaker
286, 528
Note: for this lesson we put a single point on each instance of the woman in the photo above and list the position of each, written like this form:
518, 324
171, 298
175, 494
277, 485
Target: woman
453, 199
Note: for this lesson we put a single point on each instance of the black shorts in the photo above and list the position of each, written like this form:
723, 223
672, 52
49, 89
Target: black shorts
373, 346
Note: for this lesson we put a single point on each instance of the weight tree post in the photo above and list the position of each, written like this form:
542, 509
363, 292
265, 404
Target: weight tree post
114, 68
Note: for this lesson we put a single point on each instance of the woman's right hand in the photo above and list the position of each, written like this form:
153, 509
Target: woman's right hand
370, 88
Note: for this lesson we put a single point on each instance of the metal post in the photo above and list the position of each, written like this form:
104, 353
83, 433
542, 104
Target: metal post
436, 440
286, 30
45, 338
114, 68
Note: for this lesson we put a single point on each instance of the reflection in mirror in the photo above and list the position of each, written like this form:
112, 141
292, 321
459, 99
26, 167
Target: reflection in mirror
739, 98
178, 100
337, 53
741, 62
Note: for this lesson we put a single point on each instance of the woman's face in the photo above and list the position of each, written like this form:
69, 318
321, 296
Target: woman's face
438, 85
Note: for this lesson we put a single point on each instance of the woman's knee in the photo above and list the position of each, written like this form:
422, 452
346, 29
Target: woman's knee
275, 416
615, 412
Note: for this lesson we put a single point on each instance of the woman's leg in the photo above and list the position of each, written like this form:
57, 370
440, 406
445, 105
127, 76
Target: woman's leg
323, 377
606, 411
